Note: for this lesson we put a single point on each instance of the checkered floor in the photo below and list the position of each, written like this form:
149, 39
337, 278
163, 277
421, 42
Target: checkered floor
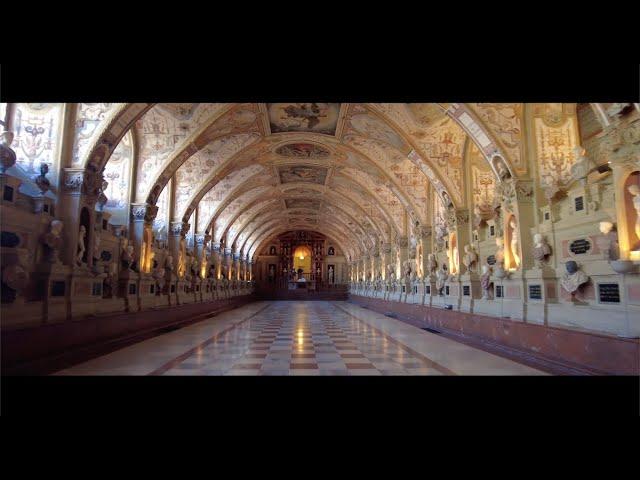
303, 338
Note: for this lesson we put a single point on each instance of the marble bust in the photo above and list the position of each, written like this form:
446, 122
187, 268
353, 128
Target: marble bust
573, 277
541, 249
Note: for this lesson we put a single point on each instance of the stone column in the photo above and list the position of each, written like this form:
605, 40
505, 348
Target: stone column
68, 210
201, 240
141, 228
217, 258
517, 205
175, 233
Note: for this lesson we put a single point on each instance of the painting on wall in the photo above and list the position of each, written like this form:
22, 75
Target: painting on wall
304, 117
303, 150
302, 203
302, 174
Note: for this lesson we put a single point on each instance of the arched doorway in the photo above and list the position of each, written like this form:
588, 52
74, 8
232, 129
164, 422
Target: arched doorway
302, 262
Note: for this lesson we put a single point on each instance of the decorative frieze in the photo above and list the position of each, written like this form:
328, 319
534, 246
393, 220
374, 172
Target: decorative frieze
72, 180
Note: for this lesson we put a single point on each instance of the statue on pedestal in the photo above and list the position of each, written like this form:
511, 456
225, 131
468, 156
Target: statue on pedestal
441, 278
485, 281
635, 191
81, 247
52, 241
470, 257
126, 257
432, 264
515, 245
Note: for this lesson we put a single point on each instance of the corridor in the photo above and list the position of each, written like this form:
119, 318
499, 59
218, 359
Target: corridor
299, 338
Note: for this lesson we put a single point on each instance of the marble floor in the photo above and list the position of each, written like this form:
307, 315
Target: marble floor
300, 338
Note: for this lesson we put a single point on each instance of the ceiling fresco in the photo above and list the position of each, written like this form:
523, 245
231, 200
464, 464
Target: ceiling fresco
304, 117
302, 203
303, 150
372, 168
302, 174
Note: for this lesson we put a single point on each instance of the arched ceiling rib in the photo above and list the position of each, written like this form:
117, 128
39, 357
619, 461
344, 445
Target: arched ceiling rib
365, 166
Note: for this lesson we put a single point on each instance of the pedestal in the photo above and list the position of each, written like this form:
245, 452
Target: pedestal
128, 290
471, 291
513, 304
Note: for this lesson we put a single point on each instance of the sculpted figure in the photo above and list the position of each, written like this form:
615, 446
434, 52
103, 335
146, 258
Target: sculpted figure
41, 180
514, 241
96, 244
52, 241
168, 263
431, 263
500, 251
541, 249
573, 277
581, 166
501, 168
441, 278
81, 248
485, 281
7, 154
470, 257
635, 191
126, 257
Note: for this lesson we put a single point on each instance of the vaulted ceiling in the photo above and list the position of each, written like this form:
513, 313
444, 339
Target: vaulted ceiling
360, 173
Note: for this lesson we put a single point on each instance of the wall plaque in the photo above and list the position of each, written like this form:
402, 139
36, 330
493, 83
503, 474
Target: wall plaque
499, 293
580, 246
132, 289
446, 290
491, 260
427, 289
579, 203
535, 292
609, 292
466, 290
97, 289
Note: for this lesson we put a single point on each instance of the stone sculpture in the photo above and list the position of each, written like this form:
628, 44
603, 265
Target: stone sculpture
432, 264
470, 257
573, 278
81, 247
52, 241
541, 249
441, 278
485, 281
635, 191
